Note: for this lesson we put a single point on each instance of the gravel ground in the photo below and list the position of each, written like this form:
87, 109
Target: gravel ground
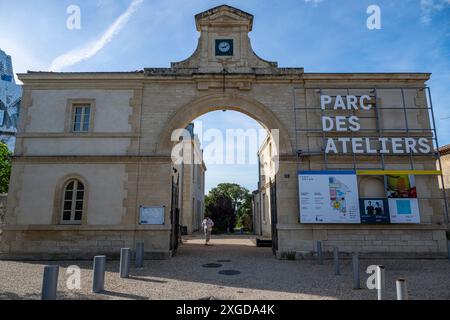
261, 277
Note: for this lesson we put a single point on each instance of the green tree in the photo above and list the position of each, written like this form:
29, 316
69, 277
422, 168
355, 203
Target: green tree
240, 199
245, 214
220, 209
5, 167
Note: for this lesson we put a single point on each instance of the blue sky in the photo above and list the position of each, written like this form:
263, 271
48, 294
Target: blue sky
319, 35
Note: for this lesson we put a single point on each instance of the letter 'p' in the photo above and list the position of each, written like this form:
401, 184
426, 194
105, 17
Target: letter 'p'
324, 101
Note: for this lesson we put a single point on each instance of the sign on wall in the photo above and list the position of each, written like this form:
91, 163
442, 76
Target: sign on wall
374, 211
404, 211
402, 194
151, 215
328, 197
401, 186
351, 124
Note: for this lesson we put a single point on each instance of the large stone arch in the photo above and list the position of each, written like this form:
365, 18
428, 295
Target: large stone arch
248, 106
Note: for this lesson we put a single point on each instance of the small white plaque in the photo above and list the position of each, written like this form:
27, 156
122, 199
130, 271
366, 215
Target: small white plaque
152, 215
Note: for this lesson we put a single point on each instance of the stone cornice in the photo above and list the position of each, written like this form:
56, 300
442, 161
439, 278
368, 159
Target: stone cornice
92, 159
367, 76
37, 75
430, 226
206, 81
27, 227
165, 73
70, 135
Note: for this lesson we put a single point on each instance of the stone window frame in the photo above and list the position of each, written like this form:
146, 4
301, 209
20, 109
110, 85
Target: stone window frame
70, 109
59, 200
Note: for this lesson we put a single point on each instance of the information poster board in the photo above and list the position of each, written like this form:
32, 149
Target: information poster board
374, 211
403, 203
328, 197
151, 215
404, 210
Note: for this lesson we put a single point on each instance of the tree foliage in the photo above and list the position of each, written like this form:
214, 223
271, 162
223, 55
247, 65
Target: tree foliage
230, 205
5, 167
220, 209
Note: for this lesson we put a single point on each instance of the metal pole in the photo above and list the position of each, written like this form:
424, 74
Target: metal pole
379, 129
411, 160
98, 282
356, 276
336, 261
402, 293
319, 252
438, 155
139, 255
448, 250
380, 282
125, 255
50, 283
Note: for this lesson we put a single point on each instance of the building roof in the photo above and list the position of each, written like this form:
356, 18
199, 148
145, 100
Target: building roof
444, 150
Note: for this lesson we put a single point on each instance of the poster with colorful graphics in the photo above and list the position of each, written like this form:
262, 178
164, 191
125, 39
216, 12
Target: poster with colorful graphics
402, 194
404, 210
328, 197
401, 186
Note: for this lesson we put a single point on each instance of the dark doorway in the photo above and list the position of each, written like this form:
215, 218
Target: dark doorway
273, 214
175, 216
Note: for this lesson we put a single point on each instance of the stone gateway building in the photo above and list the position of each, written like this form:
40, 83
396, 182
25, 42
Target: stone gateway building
93, 169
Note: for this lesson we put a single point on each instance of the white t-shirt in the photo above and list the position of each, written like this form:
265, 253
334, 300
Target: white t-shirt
208, 224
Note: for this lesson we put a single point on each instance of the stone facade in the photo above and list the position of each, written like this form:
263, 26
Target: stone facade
192, 199
125, 156
267, 174
444, 153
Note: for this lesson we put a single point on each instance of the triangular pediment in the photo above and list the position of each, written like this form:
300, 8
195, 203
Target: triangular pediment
224, 14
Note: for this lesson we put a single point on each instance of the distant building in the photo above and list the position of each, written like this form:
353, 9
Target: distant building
444, 153
192, 186
262, 197
10, 98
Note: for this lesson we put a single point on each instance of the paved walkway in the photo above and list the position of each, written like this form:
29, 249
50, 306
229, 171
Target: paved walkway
223, 239
261, 276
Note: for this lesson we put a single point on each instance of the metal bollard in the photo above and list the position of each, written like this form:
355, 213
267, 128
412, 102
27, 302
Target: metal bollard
402, 293
50, 283
356, 276
448, 249
336, 261
139, 255
380, 282
319, 252
99, 274
125, 257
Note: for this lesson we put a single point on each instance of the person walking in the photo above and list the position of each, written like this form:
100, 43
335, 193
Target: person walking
207, 225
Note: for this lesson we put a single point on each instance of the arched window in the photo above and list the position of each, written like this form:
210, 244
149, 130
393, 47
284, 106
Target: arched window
73, 202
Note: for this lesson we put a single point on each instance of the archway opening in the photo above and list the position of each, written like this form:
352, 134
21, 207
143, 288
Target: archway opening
230, 179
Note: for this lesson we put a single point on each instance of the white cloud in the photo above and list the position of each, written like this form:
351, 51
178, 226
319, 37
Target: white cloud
314, 1
87, 51
430, 7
